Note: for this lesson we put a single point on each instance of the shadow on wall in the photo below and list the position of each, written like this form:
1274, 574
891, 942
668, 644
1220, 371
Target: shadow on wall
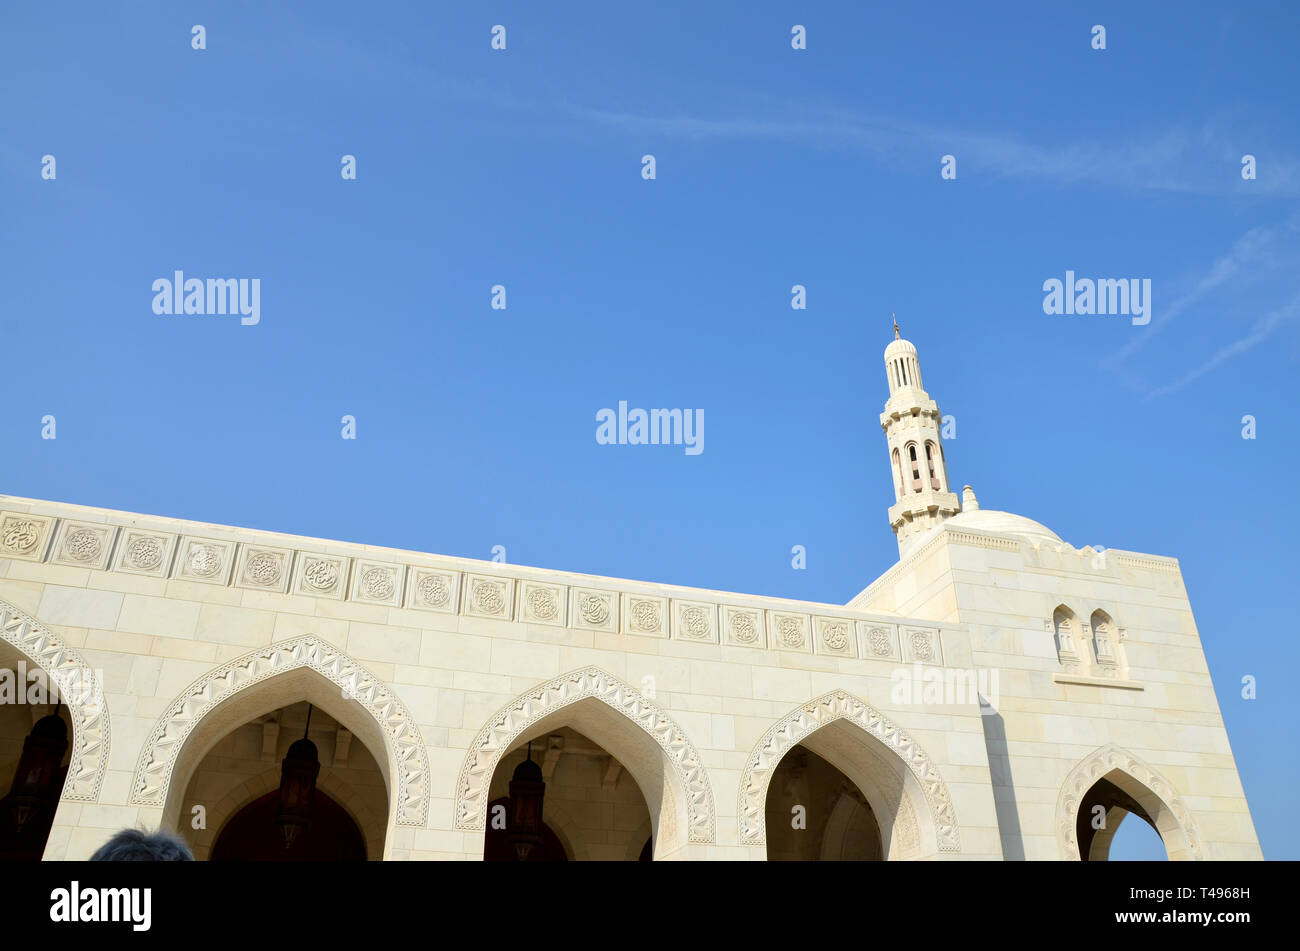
1004, 790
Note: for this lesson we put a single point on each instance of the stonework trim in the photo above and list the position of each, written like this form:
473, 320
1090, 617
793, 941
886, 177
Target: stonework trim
408, 759
66, 668
496, 738
808, 719
1106, 760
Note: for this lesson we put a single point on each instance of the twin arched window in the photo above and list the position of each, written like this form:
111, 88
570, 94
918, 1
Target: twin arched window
1071, 641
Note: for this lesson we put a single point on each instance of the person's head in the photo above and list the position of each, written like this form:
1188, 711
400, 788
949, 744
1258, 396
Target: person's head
136, 845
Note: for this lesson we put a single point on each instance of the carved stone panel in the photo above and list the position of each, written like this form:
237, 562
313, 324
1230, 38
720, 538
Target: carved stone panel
321, 576
593, 610
695, 621
542, 603
433, 589
376, 582
879, 641
743, 627
645, 614
790, 632
261, 568
25, 537
489, 596
83, 544
205, 560
921, 646
834, 636
143, 552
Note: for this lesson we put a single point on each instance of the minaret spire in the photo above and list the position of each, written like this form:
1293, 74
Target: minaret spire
912, 426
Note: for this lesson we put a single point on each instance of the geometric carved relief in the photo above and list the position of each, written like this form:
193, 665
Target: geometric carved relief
512, 720
401, 734
145, 553
839, 705
488, 596
879, 641
432, 590
1092, 768
263, 569
377, 582
790, 631
542, 603
645, 614
695, 621
83, 544
205, 559
743, 626
90, 718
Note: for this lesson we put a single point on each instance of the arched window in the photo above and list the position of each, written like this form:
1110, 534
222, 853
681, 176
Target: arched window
1104, 639
1064, 629
929, 459
916, 467
898, 474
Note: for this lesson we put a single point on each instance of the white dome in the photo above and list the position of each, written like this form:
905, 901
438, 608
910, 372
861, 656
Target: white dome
1004, 523
897, 347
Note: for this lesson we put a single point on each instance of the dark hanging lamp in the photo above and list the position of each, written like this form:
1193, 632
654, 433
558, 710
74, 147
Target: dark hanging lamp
298, 774
35, 788
527, 788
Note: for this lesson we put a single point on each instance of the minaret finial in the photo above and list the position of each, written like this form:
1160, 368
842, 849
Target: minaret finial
895, 316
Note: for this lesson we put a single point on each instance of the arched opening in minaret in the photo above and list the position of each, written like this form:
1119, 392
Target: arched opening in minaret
916, 467
898, 474
816, 813
929, 460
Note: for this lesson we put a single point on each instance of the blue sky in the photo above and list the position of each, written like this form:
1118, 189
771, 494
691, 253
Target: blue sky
774, 167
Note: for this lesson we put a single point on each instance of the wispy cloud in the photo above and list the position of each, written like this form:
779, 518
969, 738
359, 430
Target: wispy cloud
1172, 161
1261, 331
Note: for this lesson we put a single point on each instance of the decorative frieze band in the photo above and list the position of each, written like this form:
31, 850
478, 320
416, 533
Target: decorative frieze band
486, 594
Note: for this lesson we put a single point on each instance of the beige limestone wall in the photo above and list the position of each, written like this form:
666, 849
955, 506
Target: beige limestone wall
709, 685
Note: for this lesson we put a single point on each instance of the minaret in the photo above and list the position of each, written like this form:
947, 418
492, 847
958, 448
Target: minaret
911, 423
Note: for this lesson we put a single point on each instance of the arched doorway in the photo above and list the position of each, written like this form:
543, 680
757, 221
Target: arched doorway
816, 813
253, 836
1104, 789
232, 796
861, 783
1104, 808
592, 807
497, 846
35, 750
632, 733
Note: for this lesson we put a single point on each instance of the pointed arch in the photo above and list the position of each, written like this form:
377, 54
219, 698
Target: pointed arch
811, 717
80, 690
506, 728
1172, 819
405, 767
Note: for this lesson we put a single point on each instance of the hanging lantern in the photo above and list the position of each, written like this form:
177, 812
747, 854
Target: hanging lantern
527, 788
38, 777
298, 774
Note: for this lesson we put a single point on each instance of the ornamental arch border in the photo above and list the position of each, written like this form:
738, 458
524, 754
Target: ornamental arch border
808, 719
1173, 820
408, 760
90, 718
494, 740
